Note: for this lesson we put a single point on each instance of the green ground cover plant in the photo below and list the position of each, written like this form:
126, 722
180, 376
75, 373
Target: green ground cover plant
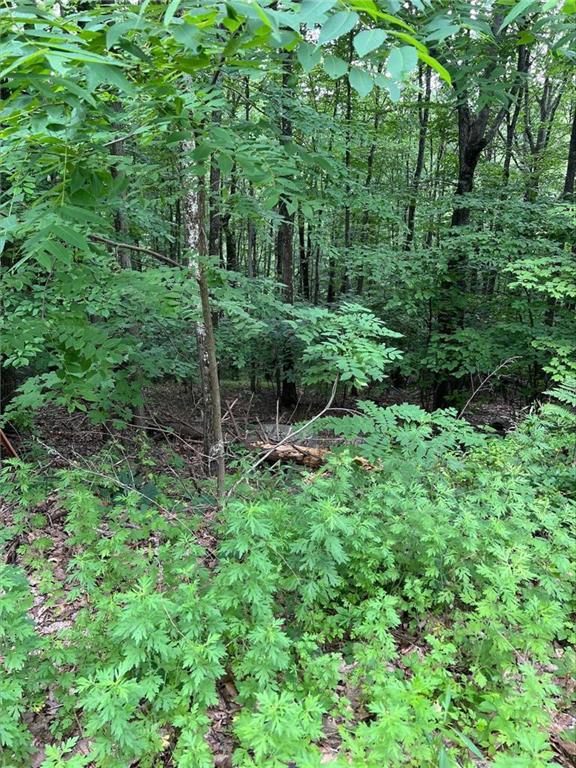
424, 606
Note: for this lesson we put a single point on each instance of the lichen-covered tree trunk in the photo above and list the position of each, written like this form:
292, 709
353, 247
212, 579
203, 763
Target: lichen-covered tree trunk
194, 216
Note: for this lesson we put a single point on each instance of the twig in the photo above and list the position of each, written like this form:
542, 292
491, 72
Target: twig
490, 375
10, 450
138, 248
263, 458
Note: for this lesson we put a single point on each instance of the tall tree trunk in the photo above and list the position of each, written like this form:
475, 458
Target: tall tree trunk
512, 118
367, 183
215, 224
304, 253
570, 177
125, 261
345, 286
424, 74
194, 213
476, 131
285, 242
331, 289
548, 103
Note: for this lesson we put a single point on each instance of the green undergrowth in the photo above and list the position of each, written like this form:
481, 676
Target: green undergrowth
422, 606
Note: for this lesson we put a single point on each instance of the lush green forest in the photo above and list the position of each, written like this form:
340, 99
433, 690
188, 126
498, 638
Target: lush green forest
288, 383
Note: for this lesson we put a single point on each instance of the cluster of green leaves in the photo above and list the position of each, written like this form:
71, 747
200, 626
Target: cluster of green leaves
348, 344
425, 605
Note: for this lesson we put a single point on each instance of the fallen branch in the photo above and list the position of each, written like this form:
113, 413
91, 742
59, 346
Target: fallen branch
300, 454
288, 437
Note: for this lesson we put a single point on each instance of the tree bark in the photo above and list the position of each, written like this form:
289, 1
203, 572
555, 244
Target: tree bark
194, 211
345, 285
304, 253
548, 103
125, 261
476, 131
424, 74
570, 177
285, 245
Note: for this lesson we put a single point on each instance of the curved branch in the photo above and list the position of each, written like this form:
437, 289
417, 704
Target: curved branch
129, 247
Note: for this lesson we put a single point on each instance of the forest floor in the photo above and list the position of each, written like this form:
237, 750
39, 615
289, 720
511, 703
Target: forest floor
62, 440
173, 421
51, 616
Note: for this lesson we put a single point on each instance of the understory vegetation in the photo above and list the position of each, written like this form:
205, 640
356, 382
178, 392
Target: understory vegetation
415, 612
288, 383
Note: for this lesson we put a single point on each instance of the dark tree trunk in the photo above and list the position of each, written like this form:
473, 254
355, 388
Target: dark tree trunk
345, 286
512, 118
304, 252
548, 103
229, 233
331, 289
215, 223
474, 136
423, 117
285, 244
569, 179
125, 260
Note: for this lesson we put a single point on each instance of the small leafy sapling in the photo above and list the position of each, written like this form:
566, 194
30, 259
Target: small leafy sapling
349, 345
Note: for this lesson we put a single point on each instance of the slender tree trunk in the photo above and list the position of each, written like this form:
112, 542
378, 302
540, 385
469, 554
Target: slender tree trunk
285, 242
229, 233
331, 289
304, 253
194, 210
367, 183
215, 224
125, 261
424, 81
570, 177
548, 103
316, 298
345, 286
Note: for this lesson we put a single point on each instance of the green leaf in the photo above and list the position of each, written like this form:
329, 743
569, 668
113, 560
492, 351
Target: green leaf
225, 163
410, 40
43, 259
361, 81
74, 88
308, 55
569, 7
393, 20
517, 11
435, 64
98, 74
402, 61
443, 30
118, 30
21, 62
383, 81
368, 40
58, 251
443, 760
82, 215
469, 744
337, 25
313, 11
71, 237
171, 12
335, 67
367, 6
